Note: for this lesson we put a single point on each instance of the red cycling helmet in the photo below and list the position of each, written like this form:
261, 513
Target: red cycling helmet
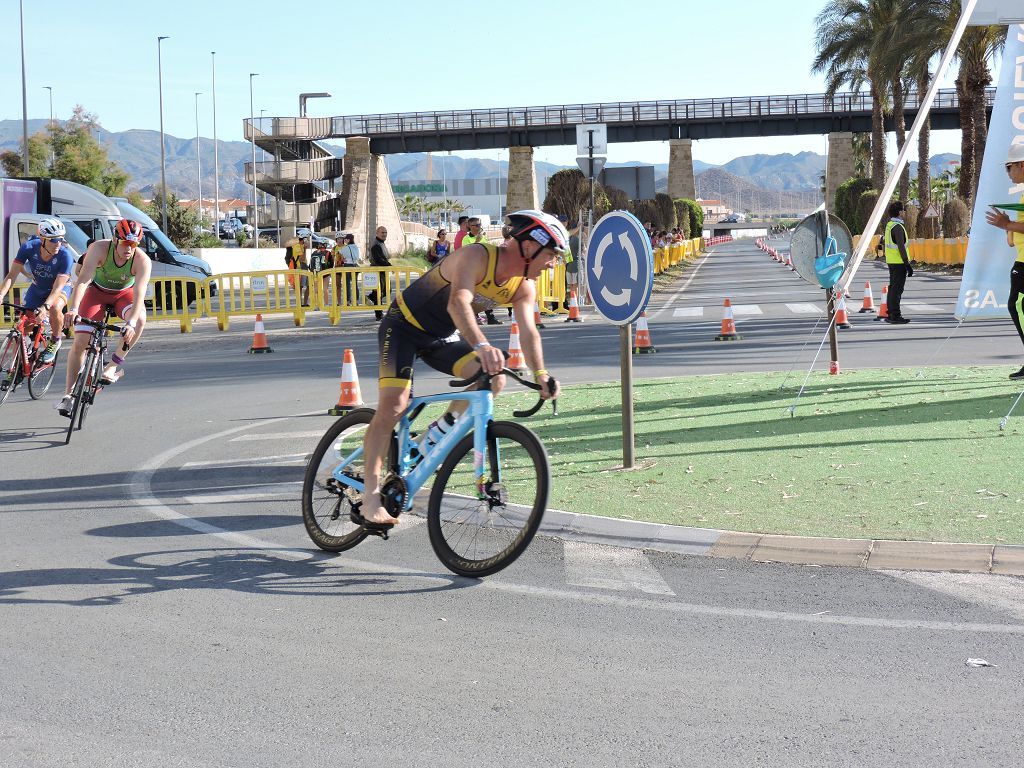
128, 230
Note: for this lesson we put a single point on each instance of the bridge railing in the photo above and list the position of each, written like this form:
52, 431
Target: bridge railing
573, 114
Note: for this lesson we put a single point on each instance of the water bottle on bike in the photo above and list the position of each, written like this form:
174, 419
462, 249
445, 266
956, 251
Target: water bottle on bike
437, 430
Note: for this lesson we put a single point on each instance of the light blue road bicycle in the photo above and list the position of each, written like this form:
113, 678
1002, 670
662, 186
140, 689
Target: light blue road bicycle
487, 499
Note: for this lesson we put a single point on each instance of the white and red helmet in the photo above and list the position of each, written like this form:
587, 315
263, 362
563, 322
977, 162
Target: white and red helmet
540, 227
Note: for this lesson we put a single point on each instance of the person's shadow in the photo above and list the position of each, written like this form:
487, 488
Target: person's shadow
255, 571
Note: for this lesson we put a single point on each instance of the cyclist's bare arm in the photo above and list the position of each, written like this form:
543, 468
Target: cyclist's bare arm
93, 258
16, 271
464, 269
58, 286
141, 269
522, 307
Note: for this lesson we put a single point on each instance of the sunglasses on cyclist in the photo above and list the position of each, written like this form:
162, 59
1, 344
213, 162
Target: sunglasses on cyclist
57, 240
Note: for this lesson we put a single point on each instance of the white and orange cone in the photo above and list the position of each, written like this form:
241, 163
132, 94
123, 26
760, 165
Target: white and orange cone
349, 397
642, 345
516, 362
868, 305
574, 309
537, 320
883, 309
728, 324
842, 319
259, 338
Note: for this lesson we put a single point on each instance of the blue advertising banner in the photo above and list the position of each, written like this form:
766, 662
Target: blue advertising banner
986, 282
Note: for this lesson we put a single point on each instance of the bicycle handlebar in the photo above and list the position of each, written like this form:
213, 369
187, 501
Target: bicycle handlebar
98, 325
528, 384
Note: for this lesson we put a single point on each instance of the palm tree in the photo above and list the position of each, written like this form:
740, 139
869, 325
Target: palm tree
846, 31
979, 44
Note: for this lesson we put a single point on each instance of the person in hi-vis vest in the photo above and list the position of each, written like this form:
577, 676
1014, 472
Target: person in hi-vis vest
898, 261
1015, 239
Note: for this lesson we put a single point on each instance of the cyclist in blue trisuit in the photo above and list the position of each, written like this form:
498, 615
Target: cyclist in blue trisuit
423, 318
49, 262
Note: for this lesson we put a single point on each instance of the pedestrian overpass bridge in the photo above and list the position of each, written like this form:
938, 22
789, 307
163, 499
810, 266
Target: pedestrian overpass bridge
304, 173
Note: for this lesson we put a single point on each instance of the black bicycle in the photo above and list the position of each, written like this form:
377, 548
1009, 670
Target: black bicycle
90, 376
21, 353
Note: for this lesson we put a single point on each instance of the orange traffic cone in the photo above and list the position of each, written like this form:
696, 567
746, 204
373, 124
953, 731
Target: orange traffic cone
537, 321
259, 338
728, 325
883, 310
869, 300
789, 263
574, 309
643, 337
516, 361
842, 320
349, 397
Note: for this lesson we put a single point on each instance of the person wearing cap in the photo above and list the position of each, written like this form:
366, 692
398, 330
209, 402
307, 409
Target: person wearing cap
423, 319
1014, 228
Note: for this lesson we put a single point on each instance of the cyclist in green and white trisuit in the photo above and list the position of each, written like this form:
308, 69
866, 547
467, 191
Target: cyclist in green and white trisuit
1014, 238
115, 274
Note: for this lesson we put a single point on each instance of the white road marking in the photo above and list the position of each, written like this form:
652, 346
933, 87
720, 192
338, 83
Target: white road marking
688, 312
746, 309
140, 489
280, 436
920, 306
805, 309
1001, 593
604, 567
287, 458
279, 491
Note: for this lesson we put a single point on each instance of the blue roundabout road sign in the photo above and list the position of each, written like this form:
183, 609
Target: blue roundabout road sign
620, 267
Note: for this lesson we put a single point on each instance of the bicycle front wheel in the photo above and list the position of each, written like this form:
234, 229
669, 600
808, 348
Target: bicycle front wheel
10, 360
42, 376
478, 531
326, 502
79, 391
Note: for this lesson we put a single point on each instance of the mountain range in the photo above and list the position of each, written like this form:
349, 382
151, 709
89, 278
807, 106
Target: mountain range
750, 182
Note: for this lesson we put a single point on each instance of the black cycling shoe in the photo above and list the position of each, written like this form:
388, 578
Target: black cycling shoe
1017, 375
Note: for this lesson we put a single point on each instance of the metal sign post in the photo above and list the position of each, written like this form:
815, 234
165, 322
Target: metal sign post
620, 274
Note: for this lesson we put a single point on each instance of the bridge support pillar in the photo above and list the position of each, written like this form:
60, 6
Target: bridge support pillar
522, 180
680, 169
368, 201
839, 166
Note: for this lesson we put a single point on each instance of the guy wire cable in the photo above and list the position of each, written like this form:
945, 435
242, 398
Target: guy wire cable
800, 354
803, 386
935, 352
1006, 418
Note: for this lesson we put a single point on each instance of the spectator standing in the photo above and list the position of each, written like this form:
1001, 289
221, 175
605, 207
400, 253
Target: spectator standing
439, 248
463, 231
476, 235
379, 257
302, 263
349, 257
1015, 239
898, 261
572, 265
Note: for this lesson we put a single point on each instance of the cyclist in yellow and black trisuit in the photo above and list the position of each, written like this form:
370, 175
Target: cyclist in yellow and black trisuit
1014, 238
424, 318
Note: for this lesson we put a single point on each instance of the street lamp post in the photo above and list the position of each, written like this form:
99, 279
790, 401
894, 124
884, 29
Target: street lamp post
199, 165
24, 94
163, 166
216, 167
50, 126
252, 135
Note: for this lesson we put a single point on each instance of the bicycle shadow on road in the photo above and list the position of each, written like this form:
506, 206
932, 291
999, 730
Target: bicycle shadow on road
161, 528
12, 440
252, 571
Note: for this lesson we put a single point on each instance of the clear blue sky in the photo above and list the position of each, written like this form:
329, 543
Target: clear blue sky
405, 55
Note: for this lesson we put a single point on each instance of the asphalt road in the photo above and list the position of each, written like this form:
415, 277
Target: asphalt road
160, 604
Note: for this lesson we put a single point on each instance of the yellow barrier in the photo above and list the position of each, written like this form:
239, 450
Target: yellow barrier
274, 292
950, 251
357, 289
171, 298
14, 296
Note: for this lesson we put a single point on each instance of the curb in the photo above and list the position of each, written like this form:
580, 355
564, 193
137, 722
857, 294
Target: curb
877, 554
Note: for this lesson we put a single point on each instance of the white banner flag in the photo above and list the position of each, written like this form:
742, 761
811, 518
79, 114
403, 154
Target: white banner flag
986, 282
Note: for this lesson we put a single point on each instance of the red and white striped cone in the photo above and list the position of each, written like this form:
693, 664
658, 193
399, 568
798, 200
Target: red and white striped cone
868, 304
